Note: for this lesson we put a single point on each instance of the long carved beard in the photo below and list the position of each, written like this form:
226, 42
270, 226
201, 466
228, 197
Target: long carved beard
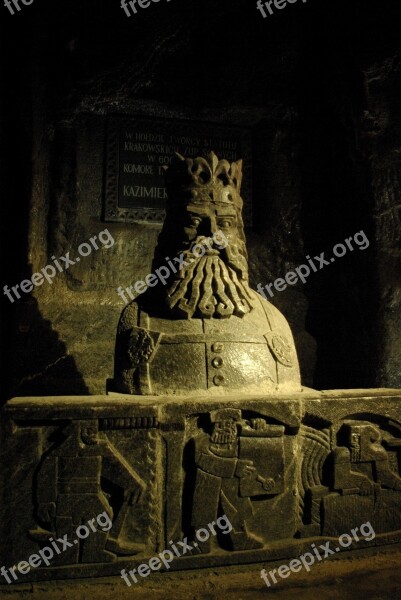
209, 288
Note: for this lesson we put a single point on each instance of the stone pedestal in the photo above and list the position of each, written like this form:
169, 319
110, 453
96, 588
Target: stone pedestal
294, 470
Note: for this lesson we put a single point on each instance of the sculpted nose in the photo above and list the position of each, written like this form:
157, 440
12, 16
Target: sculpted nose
208, 227
213, 226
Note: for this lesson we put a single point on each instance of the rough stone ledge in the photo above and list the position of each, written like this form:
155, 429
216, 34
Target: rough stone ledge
367, 574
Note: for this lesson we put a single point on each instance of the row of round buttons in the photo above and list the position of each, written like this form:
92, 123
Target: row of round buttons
217, 363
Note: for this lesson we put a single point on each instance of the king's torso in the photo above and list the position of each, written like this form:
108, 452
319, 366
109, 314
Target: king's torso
214, 356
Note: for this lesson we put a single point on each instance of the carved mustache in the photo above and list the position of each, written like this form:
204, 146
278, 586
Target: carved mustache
230, 254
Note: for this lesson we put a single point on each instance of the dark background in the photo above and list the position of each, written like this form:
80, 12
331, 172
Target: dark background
319, 86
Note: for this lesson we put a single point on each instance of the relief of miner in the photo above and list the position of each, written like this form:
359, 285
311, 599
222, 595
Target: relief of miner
364, 480
69, 493
239, 460
204, 331
362, 466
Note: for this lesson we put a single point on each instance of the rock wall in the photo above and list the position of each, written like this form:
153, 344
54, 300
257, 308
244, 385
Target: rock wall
317, 85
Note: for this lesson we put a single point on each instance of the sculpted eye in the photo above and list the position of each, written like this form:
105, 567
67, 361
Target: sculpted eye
195, 221
225, 223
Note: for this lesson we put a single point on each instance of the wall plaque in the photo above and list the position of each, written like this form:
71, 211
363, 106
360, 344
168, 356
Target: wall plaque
137, 149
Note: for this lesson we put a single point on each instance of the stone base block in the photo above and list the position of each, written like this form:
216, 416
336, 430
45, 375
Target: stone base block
104, 485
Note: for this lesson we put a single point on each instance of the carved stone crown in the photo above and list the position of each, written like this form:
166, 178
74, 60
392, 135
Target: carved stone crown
204, 180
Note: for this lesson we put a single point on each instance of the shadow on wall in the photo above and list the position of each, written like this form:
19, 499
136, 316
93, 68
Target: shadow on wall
42, 365
337, 202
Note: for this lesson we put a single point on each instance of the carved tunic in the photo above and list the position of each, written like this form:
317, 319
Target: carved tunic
178, 356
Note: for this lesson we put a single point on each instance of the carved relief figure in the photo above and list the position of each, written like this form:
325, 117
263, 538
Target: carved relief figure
234, 463
363, 466
360, 476
69, 492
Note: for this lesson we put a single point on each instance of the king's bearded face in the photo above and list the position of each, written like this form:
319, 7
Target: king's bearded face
213, 282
